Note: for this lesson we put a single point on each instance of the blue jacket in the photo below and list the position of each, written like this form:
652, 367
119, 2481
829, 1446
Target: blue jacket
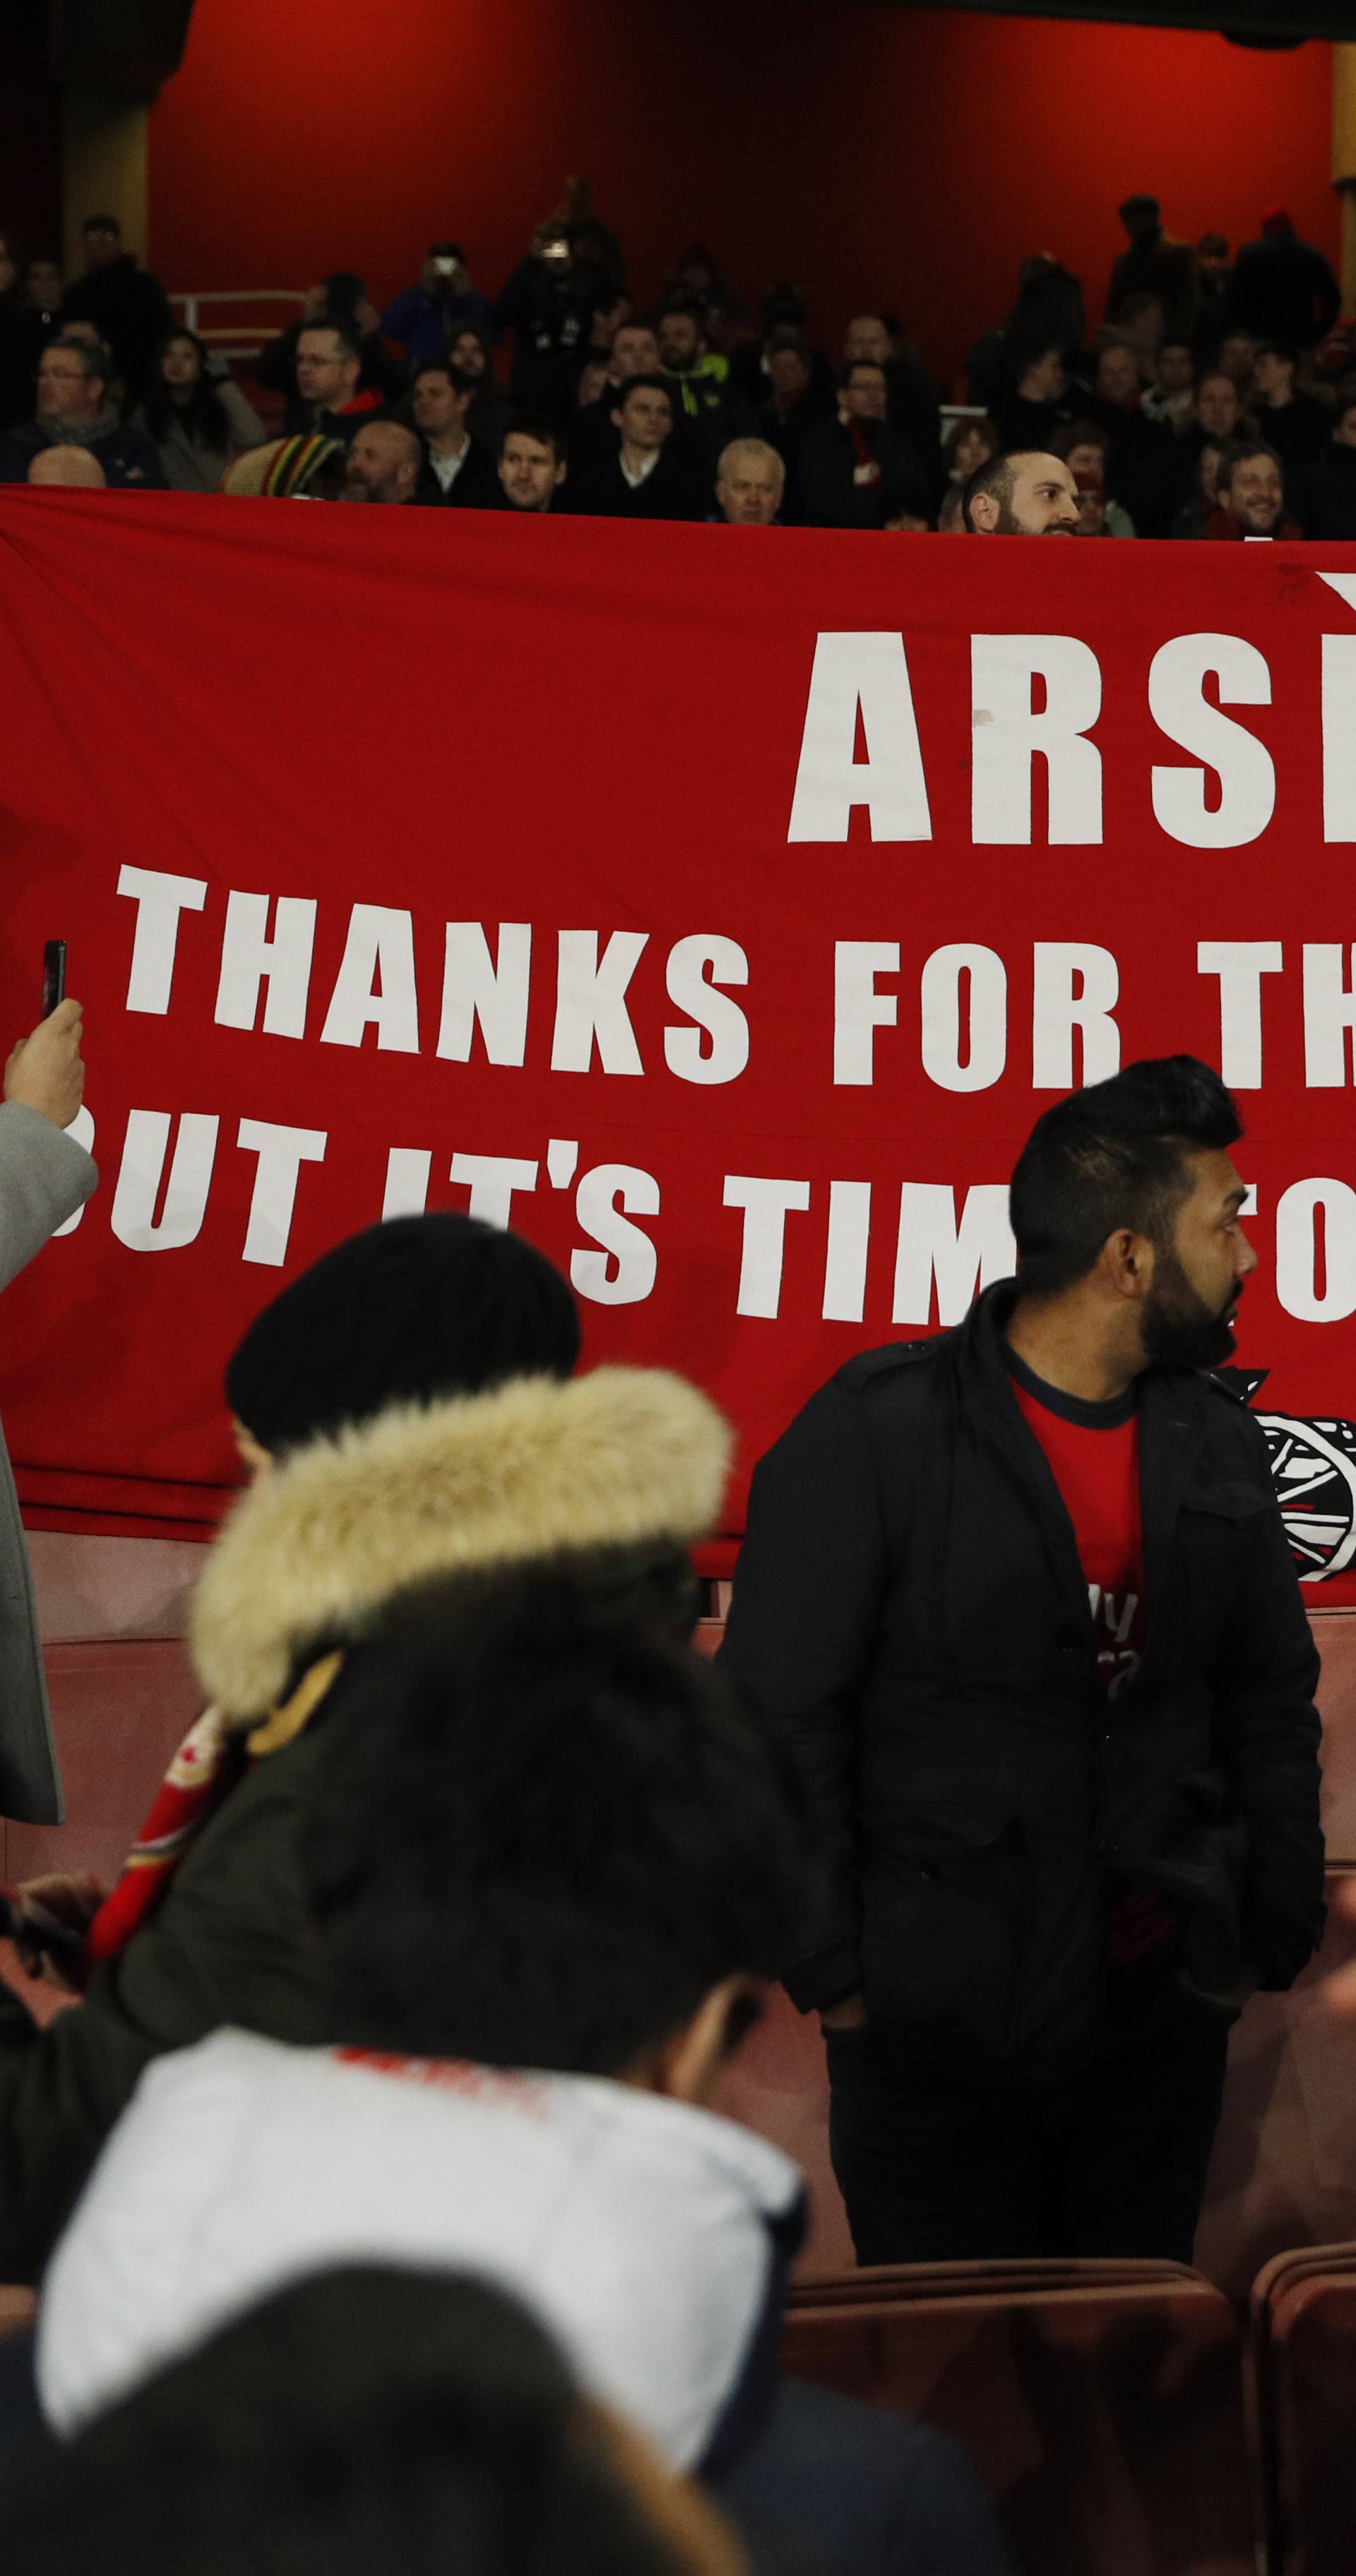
420, 320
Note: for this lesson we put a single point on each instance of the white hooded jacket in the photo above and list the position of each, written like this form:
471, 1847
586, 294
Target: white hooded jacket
649, 2236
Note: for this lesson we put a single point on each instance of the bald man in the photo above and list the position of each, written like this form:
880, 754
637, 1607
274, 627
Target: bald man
73, 465
383, 463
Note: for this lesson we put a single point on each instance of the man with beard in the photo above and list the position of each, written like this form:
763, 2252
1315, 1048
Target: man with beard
74, 410
1025, 495
1020, 1600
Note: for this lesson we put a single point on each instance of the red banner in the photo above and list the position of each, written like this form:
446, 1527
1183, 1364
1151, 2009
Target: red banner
719, 909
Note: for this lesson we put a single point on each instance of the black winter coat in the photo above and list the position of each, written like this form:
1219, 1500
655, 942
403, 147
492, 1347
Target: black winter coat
910, 1607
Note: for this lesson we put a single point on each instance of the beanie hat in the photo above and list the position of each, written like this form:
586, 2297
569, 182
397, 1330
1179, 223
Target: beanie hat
282, 469
409, 1310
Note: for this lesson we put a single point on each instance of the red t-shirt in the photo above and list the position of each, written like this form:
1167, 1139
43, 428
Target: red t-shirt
1093, 1455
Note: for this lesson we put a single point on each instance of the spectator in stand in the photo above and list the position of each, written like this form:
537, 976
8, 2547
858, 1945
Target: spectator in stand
792, 400
385, 463
454, 469
968, 445
550, 1852
591, 441
1214, 277
1084, 446
595, 378
128, 307
550, 315
363, 2417
1143, 324
1092, 501
23, 330
1282, 288
951, 516
44, 287
1143, 470
301, 468
914, 413
1155, 265
531, 466
750, 482
607, 320
1237, 359
1194, 517
1169, 398
854, 471
1218, 409
697, 279
650, 474
1021, 496
1048, 314
1325, 496
471, 351
329, 396
73, 466
74, 411
340, 301
1296, 425
196, 414
1250, 494
699, 380
423, 319
783, 326
1028, 415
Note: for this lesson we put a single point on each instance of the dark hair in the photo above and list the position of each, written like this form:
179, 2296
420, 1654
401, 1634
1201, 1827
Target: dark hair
456, 377
637, 384
543, 1831
363, 2418
547, 433
1113, 1155
203, 415
102, 224
1281, 349
995, 478
1078, 433
344, 292
1239, 452
683, 304
1026, 347
446, 250
95, 358
963, 429
1214, 245
415, 1308
850, 367
347, 333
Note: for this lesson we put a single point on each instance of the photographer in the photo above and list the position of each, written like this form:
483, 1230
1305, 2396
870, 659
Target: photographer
551, 318
44, 1178
423, 320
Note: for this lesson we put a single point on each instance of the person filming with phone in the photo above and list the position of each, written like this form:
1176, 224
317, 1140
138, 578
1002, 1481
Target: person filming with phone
424, 319
45, 1177
551, 317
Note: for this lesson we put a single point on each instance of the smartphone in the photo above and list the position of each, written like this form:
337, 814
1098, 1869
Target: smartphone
53, 975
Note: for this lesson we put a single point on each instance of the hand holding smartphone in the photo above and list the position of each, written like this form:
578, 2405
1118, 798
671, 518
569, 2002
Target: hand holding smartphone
53, 976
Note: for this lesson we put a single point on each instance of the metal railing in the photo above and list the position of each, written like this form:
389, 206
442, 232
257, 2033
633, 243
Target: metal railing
238, 339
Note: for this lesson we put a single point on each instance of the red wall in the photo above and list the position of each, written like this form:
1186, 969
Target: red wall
872, 153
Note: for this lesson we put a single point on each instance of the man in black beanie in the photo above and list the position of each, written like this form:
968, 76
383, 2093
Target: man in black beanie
408, 1413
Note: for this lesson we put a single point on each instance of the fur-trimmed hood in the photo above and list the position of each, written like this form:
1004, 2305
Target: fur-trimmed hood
535, 1469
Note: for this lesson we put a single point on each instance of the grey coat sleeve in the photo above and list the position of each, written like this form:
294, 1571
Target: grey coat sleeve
44, 1177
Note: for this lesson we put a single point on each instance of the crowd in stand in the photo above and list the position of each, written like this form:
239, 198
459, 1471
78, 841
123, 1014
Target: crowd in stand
1214, 398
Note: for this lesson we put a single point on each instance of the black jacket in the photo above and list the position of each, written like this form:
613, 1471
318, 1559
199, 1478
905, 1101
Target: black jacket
1283, 290
822, 488
1325, 497
910, 1606
599, 490
550, 321
131, 312
476, 487
129, 456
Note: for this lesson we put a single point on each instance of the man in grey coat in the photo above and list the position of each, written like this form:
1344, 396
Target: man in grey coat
44, 1177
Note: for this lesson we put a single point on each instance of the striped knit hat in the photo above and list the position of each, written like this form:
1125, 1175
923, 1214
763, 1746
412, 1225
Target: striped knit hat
282, 469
